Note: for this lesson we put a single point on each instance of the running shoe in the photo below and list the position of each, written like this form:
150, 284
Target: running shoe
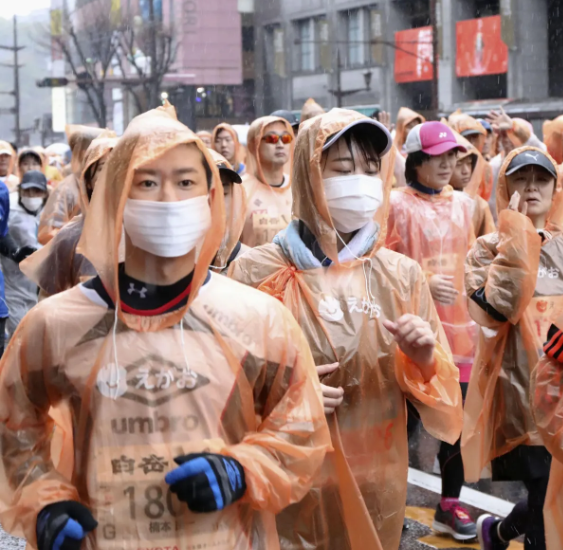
484, 525
455, 522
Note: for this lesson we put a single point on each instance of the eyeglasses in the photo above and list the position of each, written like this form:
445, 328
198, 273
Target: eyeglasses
274, 138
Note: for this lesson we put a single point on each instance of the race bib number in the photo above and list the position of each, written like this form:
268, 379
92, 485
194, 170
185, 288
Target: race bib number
266, 227
136, 509
445, 263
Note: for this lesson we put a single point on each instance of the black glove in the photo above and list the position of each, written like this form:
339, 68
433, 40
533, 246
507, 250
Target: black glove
22, 253
207, 482
63, 525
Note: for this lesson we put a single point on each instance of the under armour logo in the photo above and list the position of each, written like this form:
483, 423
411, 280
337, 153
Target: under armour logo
131, 290
533, 155
443, 135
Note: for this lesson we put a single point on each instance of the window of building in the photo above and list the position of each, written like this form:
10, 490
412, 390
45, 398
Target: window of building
417, 12
356, 45
486, 8
306, 50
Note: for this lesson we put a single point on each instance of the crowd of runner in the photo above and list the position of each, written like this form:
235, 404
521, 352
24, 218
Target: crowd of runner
216, 344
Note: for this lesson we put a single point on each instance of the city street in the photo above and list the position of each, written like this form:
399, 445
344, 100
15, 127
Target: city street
424, 496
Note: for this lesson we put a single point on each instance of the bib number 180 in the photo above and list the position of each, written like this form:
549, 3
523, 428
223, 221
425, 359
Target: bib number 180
156, 503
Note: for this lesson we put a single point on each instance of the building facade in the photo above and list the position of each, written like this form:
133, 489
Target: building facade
491, 53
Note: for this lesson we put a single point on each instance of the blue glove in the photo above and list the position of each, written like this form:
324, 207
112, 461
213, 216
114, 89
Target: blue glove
207, 482
63, 525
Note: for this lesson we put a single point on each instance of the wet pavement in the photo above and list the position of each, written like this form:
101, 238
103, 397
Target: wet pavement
422, 502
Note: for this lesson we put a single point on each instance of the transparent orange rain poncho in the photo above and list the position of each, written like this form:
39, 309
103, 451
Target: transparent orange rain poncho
546, 402
553, 138
57, 266
483, 222
268, 209
363, 484
521, 278
404, 117
437, 231
235, 212
461, 123
11, 180
310, 109
229, 373
238, 148
65, 201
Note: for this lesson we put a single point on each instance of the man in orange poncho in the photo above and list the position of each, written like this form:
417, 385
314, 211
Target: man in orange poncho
235, 210
196, 410
58, 266
267, 187
225, 141
64, 202
433, 224
513, 282
359, 305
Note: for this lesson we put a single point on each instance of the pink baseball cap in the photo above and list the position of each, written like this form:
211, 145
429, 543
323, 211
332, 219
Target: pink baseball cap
433, 138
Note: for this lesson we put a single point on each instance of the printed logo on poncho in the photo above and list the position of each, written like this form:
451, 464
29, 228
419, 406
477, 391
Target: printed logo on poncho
329, 309
151, 381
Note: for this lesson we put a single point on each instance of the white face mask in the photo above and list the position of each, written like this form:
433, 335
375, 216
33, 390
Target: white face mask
167, 229
353, 200
33, 204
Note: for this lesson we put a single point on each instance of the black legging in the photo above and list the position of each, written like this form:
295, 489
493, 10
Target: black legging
526, 517
449, 456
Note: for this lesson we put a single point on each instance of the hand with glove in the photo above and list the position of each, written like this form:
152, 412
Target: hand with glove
63, 525
22, 253
207, 482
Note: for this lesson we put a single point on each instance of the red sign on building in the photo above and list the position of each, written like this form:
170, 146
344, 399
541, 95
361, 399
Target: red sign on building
413, 55
480, 49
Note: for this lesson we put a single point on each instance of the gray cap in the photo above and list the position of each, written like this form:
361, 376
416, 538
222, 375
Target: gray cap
381, 136
534, 158
34, 180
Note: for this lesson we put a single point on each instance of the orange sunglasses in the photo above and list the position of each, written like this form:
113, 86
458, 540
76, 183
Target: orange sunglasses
274, 138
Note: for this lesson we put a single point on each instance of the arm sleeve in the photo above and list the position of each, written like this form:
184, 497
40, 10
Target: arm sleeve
28, 477
501, 273
439, 400
282, 457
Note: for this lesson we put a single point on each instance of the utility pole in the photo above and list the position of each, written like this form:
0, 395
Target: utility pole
16, 84
435, 57
16, 91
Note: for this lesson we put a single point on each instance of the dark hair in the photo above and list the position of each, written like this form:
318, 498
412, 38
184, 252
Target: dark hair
208, 172
33, 154
414, 160
362, 136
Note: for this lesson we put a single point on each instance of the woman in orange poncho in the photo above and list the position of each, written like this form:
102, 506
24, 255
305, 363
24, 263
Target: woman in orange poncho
514, 287
64, 202
472, 130
268, 188
58, 266
467, 178
356, 302
225, 141
196, 410
433, 224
